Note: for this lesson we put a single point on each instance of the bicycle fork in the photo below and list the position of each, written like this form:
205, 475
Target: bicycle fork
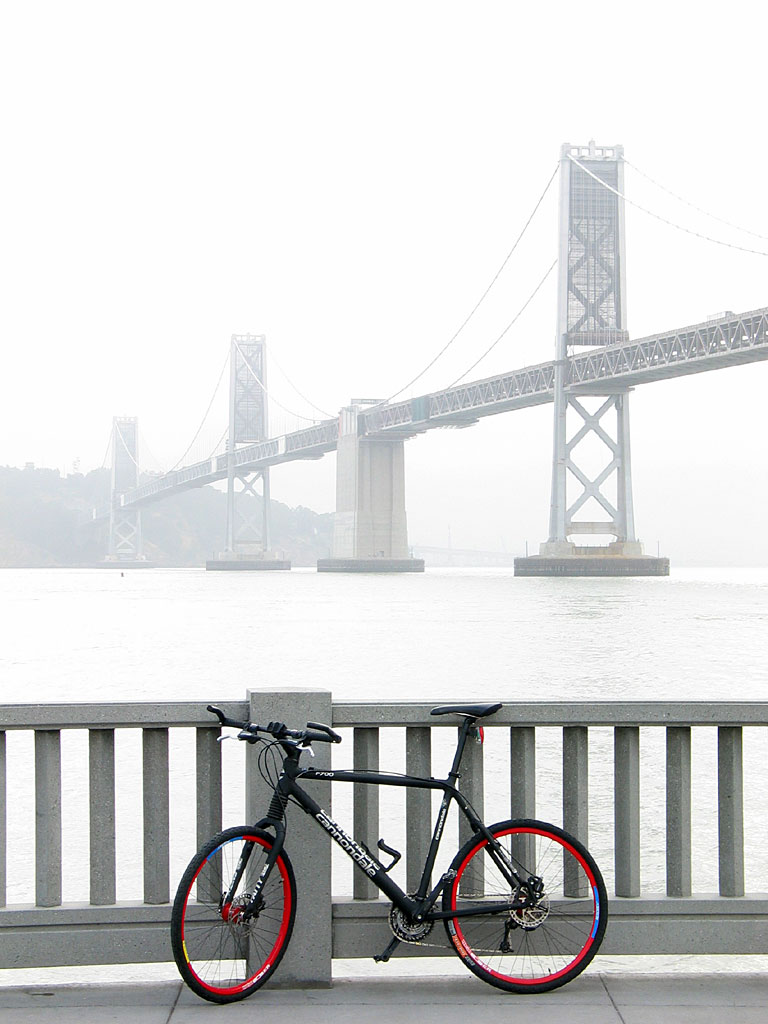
247, 910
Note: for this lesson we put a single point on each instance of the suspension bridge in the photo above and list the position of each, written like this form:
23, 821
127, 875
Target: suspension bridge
596, 365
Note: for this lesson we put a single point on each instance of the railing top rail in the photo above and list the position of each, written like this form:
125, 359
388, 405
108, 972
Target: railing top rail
555, 713
116, 714
375, 714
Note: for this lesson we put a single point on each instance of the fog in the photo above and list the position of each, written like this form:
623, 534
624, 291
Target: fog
346, 179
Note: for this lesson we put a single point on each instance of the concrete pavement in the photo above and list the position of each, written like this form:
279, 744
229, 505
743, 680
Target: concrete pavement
593, 998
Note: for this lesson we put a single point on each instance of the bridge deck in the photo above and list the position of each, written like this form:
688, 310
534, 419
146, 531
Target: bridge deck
711, 345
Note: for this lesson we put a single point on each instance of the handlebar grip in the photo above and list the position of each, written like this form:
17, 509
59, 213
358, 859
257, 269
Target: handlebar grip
223, 718
329, 735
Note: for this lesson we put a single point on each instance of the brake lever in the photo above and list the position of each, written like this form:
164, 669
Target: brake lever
247, 736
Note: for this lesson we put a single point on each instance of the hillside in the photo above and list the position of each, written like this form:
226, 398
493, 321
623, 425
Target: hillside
41, 516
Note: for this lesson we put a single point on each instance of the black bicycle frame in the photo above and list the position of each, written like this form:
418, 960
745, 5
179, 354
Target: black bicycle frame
419, 907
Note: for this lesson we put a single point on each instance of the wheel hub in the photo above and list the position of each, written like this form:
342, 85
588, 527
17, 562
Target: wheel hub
531, 907
234, 912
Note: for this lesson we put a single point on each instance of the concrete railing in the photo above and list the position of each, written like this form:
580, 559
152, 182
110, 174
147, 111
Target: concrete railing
579, 764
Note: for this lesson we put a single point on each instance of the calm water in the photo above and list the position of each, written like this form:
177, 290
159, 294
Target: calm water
185, 634
88, 635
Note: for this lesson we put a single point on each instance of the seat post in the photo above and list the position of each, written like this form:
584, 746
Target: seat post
466, 725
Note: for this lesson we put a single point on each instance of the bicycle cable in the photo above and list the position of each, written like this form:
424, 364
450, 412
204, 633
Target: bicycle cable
267, 763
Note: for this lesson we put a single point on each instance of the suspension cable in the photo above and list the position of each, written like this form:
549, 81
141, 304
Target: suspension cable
482, 297
216, 446
252, 372
109, 445
202, 421
312, 405
147, 453
656, 216
509, 325
125, 446
693, 206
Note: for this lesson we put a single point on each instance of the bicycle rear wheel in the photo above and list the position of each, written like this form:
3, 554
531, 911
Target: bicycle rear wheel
541, 945
221, 955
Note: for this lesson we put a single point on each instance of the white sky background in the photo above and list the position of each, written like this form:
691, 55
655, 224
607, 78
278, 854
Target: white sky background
346, 178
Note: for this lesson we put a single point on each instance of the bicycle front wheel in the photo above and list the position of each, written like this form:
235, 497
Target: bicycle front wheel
551, 929
222, 953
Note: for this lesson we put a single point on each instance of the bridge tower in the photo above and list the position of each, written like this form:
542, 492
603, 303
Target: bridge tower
248, 541
125, 545
591, 312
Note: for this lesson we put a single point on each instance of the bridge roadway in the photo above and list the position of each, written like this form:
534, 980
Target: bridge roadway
712, 345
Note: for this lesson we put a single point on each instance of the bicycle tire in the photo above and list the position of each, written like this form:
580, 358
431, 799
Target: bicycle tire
221, 957
540, 948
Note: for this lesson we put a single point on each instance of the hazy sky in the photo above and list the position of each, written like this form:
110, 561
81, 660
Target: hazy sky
346, 178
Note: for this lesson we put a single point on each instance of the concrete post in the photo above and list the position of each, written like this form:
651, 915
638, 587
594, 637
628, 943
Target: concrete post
208, 777
730, 804
522, 786
101, 785
472, 785
575, 800
626, 773
308, 959
156, 802
366, 805
679, 810
47, 817
418, 804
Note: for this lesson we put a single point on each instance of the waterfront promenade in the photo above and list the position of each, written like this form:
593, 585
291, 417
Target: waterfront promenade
594, 998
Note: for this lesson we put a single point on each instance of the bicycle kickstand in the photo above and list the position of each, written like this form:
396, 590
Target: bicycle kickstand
383, 957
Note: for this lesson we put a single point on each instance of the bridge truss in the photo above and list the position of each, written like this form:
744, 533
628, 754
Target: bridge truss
729, 341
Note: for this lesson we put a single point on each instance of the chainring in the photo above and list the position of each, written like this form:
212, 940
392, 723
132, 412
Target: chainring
405, 929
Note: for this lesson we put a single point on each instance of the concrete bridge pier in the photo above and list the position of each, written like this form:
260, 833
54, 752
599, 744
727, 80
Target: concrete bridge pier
369, 532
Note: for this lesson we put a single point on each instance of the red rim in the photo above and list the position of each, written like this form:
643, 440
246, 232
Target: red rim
466, 949
269, 960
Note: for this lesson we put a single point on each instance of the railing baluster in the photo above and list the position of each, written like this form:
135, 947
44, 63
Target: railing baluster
472, 786
418, 804
678, 811
101, 785
47, 817
156, 816
575, 801
730, 809
3, 827
208, 801
522, 788
626, 771
365, 814
208, 783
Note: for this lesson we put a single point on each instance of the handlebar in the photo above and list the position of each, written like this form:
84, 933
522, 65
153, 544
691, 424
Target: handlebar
314, 733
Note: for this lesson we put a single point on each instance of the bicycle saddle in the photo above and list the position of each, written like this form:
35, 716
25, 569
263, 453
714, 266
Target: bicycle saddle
470, 710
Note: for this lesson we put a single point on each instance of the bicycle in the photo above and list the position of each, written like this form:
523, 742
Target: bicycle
523, 902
